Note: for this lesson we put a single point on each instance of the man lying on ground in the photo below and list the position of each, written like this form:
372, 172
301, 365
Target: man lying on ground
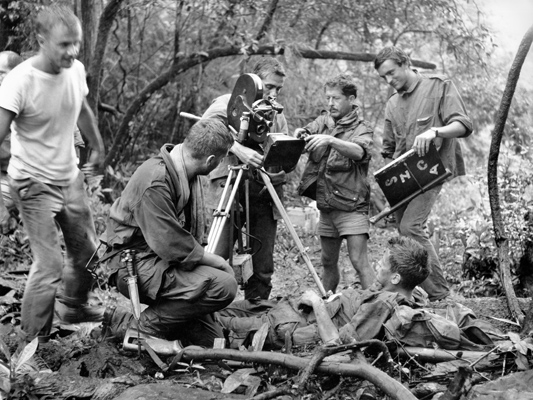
357, 314
396, 312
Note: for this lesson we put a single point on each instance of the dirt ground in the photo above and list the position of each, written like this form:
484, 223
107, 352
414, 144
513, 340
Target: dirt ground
84, 366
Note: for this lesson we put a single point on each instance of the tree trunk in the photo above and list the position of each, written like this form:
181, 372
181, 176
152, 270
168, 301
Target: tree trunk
502, 242
89, 12
95, 66
268, 19
4, 28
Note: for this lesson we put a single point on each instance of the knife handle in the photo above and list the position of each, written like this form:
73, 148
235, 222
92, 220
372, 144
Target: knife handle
128, 259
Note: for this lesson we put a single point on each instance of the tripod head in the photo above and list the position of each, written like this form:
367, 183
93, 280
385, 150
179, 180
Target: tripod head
253, 117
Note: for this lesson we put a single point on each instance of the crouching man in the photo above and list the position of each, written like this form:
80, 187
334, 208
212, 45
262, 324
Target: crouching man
354, 315
160, 216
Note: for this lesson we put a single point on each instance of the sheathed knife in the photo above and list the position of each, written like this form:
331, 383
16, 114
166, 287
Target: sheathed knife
133, 290
131, 280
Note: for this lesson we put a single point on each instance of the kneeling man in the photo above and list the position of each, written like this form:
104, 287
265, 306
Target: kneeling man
160, 216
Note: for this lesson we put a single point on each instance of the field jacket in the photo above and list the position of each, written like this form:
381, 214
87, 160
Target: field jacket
154, 215
337, 182
431, 101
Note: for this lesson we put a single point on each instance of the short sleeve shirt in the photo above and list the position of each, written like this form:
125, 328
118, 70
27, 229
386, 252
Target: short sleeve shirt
47, 107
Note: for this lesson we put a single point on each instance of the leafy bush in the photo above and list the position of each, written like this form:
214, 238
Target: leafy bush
463, 215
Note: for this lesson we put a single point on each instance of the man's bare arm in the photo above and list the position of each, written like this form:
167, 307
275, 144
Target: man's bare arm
87, 125
215, 261
6, 117
326, 329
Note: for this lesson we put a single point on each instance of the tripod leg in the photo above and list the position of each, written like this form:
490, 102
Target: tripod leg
220, 220
292, 231
247, 203
219, 208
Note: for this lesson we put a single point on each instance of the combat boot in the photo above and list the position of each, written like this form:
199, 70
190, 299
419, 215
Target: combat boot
78, 313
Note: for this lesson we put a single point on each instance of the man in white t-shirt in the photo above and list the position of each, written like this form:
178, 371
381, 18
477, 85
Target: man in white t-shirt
44, 97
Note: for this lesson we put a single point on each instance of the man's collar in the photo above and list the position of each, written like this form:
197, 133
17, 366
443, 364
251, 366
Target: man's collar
348, 118
413, 86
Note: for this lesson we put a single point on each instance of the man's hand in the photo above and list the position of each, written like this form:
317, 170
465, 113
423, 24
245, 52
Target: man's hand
310, 298
314, 142
8, 224
422, 142
301, 133
93, 163
215, 261
247, 156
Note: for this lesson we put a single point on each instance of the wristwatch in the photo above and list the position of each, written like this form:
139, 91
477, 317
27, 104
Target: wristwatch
436, 131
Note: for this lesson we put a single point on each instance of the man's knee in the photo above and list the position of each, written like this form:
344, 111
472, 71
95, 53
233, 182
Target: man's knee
358, 264
410, 228
226, 289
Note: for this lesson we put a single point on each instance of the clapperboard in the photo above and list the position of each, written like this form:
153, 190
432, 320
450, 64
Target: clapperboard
408, 176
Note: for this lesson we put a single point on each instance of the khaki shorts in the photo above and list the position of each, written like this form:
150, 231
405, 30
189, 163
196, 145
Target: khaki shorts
342, 223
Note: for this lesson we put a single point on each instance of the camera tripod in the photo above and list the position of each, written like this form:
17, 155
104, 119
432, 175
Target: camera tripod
223, 214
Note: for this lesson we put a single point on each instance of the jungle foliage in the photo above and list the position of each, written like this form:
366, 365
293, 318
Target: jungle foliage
148, 60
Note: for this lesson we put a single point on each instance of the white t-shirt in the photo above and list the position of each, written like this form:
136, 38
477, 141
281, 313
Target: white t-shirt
47, 107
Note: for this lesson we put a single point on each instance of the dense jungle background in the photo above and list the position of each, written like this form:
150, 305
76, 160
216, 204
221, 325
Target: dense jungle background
149, 60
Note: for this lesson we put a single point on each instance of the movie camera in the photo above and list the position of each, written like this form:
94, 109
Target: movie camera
252, 117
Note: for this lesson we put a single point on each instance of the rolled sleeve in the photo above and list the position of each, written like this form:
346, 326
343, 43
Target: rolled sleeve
453, 108
218, 109
364, 137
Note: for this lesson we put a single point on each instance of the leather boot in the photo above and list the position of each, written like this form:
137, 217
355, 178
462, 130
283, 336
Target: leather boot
115, 322
78, 313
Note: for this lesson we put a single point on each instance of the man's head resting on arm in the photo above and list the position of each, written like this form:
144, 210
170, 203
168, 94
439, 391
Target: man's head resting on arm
207, 143
272, 73
403, 266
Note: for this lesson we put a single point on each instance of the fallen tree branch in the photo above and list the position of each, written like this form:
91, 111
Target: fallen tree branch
375, 376
320, 353
284, 390
435, 356
327, 350
341, 55
195, 59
